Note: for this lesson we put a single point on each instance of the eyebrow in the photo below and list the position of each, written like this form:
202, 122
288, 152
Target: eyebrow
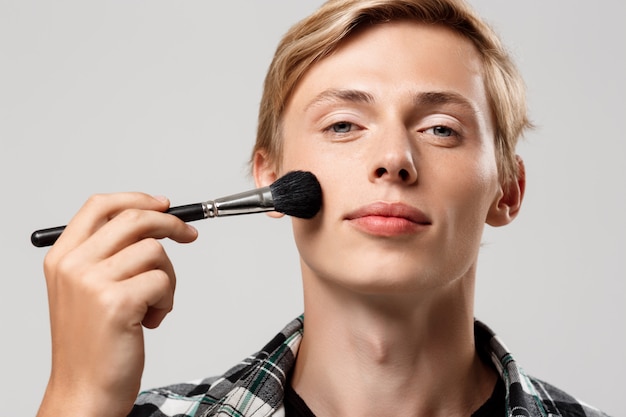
425, 98
340, 95
434, 98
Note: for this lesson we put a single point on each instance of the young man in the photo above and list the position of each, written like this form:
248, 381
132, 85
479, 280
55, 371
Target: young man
408, 113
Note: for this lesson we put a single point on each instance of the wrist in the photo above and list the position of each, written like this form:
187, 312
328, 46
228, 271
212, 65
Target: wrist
80, 401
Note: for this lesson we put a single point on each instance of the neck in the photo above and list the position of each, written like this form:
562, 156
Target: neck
392, 354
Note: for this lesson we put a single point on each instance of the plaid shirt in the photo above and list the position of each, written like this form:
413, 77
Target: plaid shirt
255, 387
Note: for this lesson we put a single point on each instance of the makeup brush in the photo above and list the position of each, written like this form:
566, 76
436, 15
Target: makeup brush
297, 194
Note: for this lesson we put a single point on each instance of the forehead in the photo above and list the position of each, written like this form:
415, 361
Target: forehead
399, 56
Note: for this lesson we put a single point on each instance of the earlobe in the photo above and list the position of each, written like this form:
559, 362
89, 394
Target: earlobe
506, 207
265, 173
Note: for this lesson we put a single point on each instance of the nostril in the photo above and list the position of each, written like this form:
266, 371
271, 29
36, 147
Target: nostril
403, 174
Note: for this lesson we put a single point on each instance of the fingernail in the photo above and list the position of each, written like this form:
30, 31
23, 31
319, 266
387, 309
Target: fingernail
161, 198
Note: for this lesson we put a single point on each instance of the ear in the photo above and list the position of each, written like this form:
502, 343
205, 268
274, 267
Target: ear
506, 207
265, 173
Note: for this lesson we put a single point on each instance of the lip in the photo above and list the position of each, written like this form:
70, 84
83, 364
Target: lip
388, 219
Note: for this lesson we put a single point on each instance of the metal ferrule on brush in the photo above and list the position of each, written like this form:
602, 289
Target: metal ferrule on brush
296, 194
253, 201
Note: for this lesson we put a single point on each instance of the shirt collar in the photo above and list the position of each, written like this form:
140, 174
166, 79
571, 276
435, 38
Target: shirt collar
256, 386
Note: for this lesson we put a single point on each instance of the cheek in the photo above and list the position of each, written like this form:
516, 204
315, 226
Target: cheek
473, 189
298, 154
319, 240
335, 167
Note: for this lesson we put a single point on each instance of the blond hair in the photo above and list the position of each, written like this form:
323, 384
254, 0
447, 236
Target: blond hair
318, 35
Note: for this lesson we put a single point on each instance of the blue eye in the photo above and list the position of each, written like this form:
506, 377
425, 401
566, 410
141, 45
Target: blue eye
342, 127
441, 131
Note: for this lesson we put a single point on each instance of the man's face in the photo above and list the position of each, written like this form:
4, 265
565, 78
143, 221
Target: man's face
396, 126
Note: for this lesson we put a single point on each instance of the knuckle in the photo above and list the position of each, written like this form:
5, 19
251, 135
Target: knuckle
50, 262
112, 301
65, 266
96, 200
153, 248
161, 280
131, 215
165, 285
69, 276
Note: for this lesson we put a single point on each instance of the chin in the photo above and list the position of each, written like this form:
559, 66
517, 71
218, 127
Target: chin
390, 282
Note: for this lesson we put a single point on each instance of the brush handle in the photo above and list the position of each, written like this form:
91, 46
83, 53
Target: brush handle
297, 193
187, 213
46, 237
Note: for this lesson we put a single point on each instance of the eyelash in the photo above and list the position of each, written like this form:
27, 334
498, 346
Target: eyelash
432, 131
335, 129
332, 127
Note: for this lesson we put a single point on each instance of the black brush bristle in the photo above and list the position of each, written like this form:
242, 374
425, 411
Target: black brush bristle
298, 194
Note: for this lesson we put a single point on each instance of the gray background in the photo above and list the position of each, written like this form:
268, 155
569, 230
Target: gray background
162, 97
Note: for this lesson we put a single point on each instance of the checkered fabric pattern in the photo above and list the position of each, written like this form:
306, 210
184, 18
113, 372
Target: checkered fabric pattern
255, 387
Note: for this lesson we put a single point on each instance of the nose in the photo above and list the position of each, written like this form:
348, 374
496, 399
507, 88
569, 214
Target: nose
394, 159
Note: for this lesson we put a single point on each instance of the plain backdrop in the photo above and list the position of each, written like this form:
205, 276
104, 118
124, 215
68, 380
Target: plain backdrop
162, 97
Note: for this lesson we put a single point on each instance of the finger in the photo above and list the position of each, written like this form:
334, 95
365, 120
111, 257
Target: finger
153, 297
132, 226
98, 210
140, 257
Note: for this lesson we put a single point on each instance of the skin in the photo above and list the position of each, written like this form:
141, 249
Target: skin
107, 277
396, 126
388, 265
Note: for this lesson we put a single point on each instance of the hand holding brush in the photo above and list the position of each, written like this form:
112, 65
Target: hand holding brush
108, 276
298, 194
